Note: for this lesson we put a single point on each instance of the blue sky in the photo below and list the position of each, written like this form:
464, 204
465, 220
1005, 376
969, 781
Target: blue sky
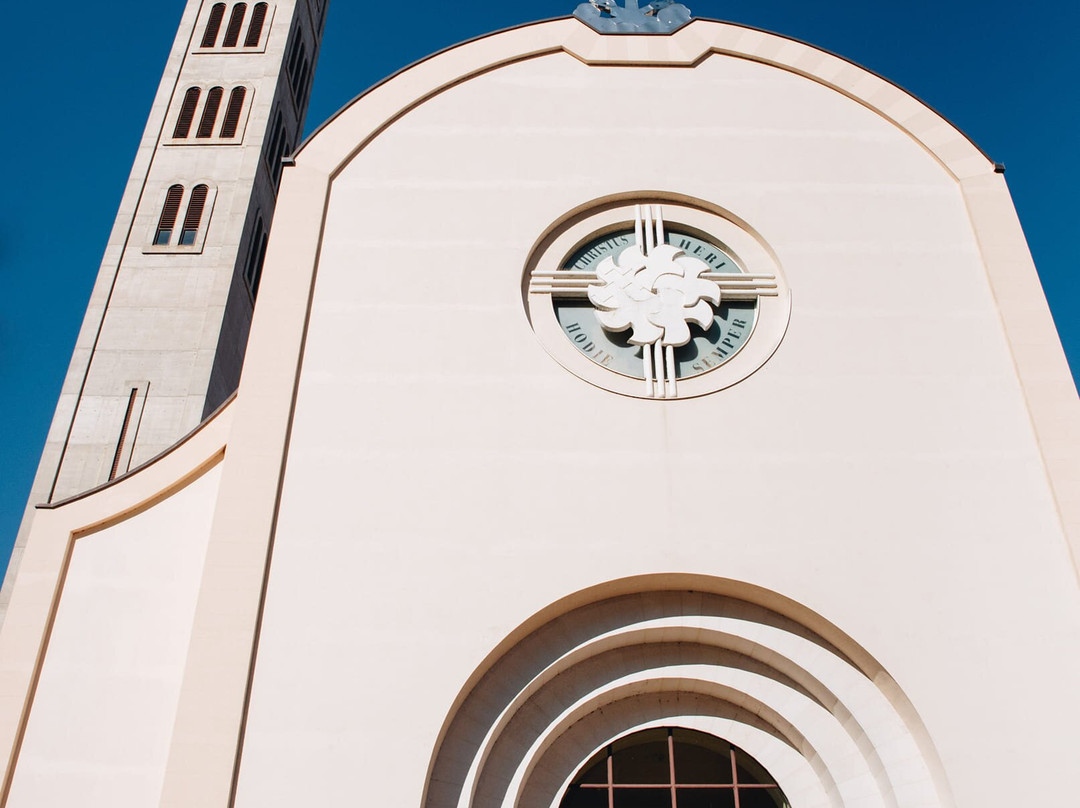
1007, 75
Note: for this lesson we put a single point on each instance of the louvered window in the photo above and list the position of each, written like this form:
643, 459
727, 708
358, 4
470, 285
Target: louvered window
236, 22
258, 19
187, 113
194, 215
213, 25
168, 215
210, 111
232, 112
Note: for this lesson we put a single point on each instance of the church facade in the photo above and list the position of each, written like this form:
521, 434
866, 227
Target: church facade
637, 411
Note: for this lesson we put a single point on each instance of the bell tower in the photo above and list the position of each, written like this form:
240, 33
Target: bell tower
163, 338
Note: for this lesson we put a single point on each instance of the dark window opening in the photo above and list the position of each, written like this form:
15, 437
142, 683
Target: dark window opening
194, 215
277, 149
672, 767
258, 18
210, 111
256, 256
187, 113
296, 55
302, 86
168, 215
213, 25
123, 433
232, 112
236, 22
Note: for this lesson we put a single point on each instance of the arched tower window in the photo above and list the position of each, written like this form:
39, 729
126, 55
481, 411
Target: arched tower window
236, 21
187, 113
672, 767
213, 25
232, 112
194, 215
210, 111
258, 18
168, 215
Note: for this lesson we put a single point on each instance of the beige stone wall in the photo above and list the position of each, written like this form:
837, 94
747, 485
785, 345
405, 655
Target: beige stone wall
441, 570
447, 480
108, 689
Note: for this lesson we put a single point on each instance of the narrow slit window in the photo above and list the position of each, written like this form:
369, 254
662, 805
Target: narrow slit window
236, 22
276, 149
210, 112
168, 215
253, 270
294, 57
123, 434
259, 259
258, 19
302, 85
213, 25
232, 112
194, 215
187, 113
282, 150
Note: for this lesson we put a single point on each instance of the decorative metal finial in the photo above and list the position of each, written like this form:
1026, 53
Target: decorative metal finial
658, 17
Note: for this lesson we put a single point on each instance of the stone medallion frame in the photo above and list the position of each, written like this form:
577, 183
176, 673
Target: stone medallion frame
749, 250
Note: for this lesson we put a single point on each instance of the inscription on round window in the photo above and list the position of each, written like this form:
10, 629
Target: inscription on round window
709, 347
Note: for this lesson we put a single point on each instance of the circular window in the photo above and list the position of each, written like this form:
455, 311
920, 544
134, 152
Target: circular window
657, 300
722, 332
672, 767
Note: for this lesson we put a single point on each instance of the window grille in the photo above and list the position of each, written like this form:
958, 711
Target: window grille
232, 112
210, 111
168, 214
187, 113
236, 21
258, 18
669, 767
193, 218
213, 25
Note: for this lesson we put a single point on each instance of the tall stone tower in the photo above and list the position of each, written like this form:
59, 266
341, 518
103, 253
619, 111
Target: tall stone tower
164, 335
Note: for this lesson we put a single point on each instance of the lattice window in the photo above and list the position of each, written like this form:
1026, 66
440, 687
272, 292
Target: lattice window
672, 767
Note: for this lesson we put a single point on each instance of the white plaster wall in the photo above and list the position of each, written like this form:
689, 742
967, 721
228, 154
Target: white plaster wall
447, 479
101, 722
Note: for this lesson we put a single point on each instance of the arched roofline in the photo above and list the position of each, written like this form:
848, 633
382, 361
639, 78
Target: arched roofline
208, 438
694, 42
